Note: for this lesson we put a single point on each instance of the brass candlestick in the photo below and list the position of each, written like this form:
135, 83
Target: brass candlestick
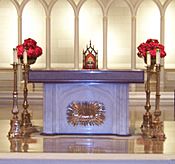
157, 124
26, 117
147, 117
15, 144
153, 146
21, 144
15, 123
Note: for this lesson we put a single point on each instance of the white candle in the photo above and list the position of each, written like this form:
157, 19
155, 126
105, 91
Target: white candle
14, 56
148, 58
157, 56
25, 57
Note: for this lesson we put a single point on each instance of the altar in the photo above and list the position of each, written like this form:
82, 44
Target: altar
86, 101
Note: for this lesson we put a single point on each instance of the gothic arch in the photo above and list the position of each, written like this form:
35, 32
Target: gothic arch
23, 4
129, 4
72, 3
157, 2
81, 2
16, 4
167, 3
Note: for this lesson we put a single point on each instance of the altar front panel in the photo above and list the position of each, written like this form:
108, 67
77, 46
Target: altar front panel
104, 88
114, 97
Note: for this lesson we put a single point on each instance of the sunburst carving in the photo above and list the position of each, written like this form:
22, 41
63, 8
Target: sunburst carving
86, 113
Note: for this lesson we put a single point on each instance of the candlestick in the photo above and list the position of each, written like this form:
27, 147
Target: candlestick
147, 117
157, 56
14, 56
26, 121
148, 58
158, 131
15, 144
15, 123
25, 57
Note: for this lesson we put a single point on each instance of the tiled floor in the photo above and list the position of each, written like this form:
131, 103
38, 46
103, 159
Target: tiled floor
88, 144
133, 144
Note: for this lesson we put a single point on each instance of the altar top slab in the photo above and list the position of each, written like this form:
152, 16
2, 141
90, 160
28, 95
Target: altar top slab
86, 76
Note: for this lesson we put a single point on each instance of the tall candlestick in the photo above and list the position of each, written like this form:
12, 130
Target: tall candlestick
15, 123
25, 57
148, 58
157, 56
14, 55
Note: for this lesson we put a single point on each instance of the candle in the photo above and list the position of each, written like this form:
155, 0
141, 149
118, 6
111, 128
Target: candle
14, 56
25, 57
157, 56
148, 58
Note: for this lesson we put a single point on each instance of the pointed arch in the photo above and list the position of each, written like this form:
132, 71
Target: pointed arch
91, 27
9, 32
126, 1
169, 33
81, 2
119, 35
157, 2
147, 25
62, 33
34, 26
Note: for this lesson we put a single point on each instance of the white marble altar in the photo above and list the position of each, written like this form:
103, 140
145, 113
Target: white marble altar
110, 88
59, 96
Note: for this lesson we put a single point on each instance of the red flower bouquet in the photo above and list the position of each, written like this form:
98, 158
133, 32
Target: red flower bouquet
151, 46
30, 45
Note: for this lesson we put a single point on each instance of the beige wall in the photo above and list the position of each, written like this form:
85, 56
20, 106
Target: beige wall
64, 27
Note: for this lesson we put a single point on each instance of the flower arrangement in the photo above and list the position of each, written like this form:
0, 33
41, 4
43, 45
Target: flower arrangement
151, 46
30, 45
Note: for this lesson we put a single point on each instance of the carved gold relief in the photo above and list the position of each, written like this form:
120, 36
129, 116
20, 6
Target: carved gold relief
86, 113
85, 149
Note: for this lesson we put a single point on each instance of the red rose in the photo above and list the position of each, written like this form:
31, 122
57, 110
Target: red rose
29, 43
162, 53
31, 52
152, 40
151, 45
153, 53
20, 50
142, 49
38, 51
